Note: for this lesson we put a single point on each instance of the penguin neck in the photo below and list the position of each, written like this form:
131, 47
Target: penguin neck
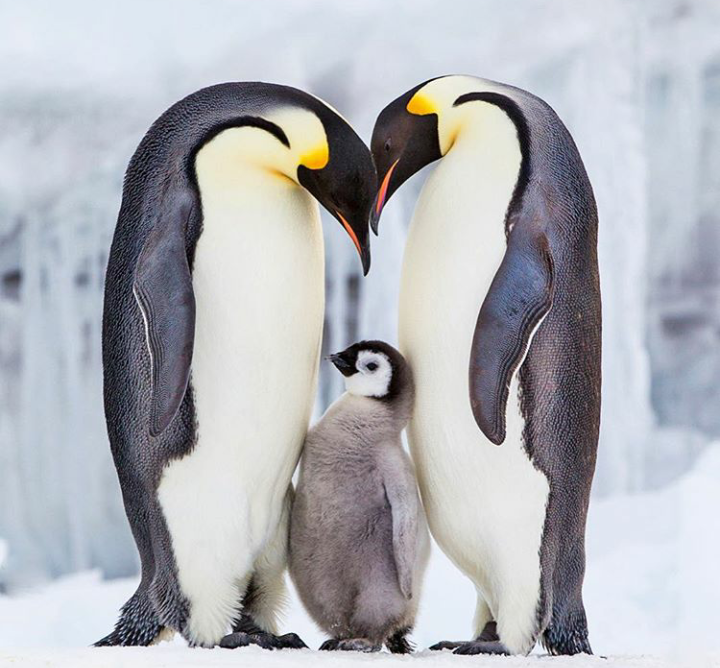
242, 157
380, 420
480, 128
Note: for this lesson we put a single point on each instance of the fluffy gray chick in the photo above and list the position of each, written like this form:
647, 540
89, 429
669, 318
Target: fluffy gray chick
358, 537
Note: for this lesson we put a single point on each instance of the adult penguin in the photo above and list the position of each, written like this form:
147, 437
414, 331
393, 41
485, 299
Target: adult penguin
500, 283
213, 319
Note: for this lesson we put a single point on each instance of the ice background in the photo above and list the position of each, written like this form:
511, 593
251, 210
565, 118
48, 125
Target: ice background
637, 83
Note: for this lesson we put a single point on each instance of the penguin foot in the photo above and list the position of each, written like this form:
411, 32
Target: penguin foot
398, 643
288, 641
350, 645
482, 647
447, 644
488, 635
262, 639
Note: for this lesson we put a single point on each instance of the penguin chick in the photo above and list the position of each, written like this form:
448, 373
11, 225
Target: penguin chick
359, 542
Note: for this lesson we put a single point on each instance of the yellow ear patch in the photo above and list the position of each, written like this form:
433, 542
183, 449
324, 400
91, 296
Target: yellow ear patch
421, 105
317, 158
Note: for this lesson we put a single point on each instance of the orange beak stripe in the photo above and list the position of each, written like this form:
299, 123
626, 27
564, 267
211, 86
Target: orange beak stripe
384, 187
351, 232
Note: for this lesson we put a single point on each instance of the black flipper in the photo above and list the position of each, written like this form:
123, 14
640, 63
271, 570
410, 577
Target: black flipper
163, 288
519, 297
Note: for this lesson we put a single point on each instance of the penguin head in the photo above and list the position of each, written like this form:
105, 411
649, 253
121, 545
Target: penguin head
373, 369
414, 130
334, 165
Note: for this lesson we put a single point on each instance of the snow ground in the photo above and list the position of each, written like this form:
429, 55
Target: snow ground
252, 657
651, 589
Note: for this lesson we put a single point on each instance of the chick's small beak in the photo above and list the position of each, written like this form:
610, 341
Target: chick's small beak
381, 197
363, 249
340, 362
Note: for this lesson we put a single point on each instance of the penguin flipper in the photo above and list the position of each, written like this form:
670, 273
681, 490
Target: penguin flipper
404, 506
518, 299
163, 289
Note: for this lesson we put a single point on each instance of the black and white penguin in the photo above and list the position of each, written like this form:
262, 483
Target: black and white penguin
212, 326
500, 283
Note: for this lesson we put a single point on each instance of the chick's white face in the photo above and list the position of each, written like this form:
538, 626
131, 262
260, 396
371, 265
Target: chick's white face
373, 376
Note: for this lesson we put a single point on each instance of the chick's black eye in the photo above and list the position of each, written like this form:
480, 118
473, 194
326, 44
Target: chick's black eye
371, 366
388, 145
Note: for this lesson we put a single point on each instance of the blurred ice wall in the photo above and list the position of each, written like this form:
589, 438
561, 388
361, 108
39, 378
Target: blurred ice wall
638, 84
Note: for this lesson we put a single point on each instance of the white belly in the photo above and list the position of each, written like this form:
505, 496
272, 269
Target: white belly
258, 279
485, 503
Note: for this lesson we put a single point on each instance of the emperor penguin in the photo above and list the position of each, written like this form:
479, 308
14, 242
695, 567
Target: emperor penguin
359, 542
212, 325
500, 321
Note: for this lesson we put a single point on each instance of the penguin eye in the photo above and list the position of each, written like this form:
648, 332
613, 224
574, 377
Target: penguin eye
371, 366
388, 145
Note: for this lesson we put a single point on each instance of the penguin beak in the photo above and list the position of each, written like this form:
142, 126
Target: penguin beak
361, 241
341, 363
381, 197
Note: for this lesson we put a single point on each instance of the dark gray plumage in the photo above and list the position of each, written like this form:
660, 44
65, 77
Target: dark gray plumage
358, 537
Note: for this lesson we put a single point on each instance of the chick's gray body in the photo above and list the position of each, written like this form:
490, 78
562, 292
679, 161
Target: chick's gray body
358, 538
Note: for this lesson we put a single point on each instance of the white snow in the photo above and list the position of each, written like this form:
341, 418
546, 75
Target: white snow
254, 657
651, 588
